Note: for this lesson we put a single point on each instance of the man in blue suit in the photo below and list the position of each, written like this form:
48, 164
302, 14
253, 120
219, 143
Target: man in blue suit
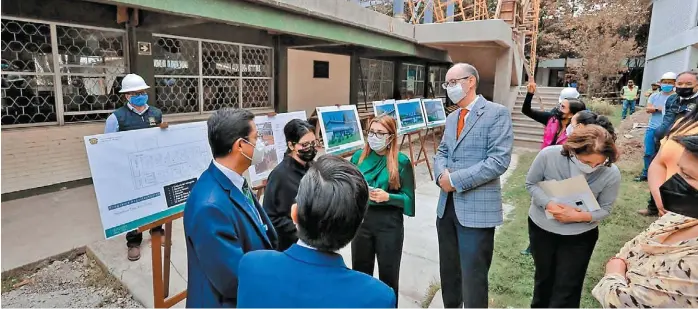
474, 152
331, 203
223, 220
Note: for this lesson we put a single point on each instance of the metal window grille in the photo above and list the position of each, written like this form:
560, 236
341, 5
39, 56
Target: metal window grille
413, 75
376, 80
54, 73
196, 75
437, 76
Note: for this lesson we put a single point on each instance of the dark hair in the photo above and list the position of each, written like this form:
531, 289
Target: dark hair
332, 201
587, 117
576, 105
225, 127
295, 129
590, 140
689, 142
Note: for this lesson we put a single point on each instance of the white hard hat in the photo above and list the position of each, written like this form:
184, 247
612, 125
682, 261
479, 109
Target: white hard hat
668, 75
568, 93
133, 82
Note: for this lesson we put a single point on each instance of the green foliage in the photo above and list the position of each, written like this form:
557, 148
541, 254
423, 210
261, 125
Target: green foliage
601, 107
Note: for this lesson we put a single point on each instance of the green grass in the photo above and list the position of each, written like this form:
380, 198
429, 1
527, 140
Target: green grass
334, 142
511, 274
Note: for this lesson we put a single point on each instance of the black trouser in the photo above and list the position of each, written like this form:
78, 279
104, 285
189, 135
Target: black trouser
134, 238
561, 263
465, 256
652, 205
380, 236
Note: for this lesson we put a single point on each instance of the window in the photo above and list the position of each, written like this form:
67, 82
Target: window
413, 80
375, 80
321, 69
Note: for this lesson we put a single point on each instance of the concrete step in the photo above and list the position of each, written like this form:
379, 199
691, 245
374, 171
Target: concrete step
528, 133
527, 143
528, 125
521, 118
544, 96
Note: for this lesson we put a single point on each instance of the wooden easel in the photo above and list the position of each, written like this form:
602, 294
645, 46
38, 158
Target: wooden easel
416, 162
161, 275
434, 133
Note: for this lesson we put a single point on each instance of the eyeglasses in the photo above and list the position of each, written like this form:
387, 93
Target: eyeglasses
453, 82
378, 134
309, 144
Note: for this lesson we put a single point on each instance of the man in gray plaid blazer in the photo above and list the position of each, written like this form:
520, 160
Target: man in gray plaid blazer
474, 152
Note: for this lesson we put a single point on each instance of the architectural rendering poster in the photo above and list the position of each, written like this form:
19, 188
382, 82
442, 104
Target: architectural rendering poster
410, 116
145, 175
386, 107
435, 112
341, 129
271, 131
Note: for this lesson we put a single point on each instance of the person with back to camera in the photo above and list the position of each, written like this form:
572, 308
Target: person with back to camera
562, 246
311, 273
390, 176
282, 183
587, 117
658, 268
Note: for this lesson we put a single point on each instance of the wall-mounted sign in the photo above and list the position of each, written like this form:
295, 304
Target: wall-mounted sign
144, 48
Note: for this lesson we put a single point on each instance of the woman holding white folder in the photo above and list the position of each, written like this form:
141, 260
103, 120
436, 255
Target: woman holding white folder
562, 245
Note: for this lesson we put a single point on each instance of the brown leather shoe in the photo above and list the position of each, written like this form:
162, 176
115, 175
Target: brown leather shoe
134, 253
645, 212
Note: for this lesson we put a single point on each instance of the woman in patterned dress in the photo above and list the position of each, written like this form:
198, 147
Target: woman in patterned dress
659, 267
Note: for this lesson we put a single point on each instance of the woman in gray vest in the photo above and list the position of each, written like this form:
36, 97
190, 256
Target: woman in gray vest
136, 114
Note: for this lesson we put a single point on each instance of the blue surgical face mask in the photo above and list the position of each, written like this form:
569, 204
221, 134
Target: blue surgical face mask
138, 100
667, 87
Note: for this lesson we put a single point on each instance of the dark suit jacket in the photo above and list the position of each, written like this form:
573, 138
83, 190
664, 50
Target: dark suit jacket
220, 227
301, 277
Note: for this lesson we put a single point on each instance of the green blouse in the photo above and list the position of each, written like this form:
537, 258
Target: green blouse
375, 171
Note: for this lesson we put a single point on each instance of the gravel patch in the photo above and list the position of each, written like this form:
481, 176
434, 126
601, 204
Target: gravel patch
76, 283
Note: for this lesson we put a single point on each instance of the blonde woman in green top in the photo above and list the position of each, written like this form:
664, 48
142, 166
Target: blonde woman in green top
390, 177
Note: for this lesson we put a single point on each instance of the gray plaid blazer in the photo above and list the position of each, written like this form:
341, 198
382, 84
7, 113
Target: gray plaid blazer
475, 162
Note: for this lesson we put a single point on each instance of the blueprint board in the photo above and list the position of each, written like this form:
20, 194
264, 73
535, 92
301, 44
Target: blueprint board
434, 112
142, 176
381, 108
341, 129
270, 129
410, 117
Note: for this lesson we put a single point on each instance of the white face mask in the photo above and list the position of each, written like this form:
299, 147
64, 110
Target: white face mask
456, 93
258, 153
378, 144
584, 168
569, 130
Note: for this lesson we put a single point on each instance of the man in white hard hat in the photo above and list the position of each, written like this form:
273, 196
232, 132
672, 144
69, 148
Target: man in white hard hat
655, 107
136, 114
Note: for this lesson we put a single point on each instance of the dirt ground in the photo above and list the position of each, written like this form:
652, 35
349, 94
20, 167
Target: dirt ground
631, 141
76, 282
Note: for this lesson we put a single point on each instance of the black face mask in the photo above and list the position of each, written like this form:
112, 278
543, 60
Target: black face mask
680, 197
557, 113
307, 155
685, 92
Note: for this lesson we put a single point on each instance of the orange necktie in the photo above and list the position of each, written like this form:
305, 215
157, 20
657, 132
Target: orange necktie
461, 122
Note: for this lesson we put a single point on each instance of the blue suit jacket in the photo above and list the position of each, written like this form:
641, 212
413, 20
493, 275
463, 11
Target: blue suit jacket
219, 227
301, 277
475, 161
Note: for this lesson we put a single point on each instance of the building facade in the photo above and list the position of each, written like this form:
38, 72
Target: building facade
63, 61
673, 39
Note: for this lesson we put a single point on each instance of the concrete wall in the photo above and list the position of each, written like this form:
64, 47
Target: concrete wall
673, 40
307, 93
42, 156
543, 77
